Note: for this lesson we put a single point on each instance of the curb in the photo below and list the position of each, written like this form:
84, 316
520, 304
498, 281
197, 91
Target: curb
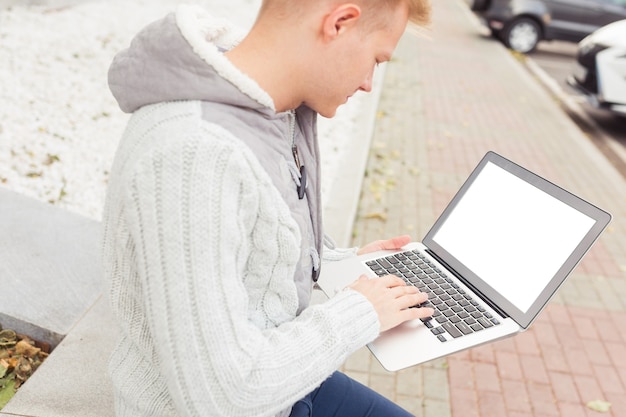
343, 199
611, 149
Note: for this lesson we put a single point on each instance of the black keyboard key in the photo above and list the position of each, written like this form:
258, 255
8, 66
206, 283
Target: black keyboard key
476, 327
484, 322
384, 263
452, 330
437, 330
448, 313
442, 338
464, 328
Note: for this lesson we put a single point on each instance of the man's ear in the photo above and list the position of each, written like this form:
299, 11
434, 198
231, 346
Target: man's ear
340, 19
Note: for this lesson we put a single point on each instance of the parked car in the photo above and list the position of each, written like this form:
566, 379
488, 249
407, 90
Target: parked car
600, 73
522, 24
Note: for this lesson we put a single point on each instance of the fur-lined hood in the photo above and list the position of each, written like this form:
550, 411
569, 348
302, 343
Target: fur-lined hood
180, 58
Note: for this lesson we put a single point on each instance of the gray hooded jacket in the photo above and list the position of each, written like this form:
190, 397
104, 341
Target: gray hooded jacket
208, 250
161, 66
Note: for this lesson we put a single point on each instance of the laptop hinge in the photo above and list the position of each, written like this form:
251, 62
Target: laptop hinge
464, 281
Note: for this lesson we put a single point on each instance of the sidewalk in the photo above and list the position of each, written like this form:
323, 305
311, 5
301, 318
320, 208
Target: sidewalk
446, 101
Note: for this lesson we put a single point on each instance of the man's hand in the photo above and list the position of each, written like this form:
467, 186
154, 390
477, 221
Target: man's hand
392, 299
394, 243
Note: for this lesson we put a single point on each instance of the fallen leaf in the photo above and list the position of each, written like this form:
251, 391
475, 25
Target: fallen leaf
51, 159
6, 393
377, 215
24, 348
599, 405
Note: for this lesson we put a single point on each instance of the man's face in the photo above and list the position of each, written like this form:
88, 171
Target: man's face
350, 63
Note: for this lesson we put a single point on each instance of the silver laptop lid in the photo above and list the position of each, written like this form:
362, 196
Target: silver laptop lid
513, 236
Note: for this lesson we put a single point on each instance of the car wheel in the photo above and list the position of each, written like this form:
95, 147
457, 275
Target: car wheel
522, 35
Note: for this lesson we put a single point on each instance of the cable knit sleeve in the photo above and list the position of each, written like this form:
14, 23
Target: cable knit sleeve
333, 253
201, 212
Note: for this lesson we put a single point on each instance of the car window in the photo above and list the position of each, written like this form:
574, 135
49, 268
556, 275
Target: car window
618, 2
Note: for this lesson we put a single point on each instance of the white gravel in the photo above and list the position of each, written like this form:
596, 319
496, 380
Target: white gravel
59, 124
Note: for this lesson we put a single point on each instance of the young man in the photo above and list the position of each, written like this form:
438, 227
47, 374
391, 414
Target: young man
212, 227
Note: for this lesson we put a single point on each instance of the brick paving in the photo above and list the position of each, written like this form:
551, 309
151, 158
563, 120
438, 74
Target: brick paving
450, 95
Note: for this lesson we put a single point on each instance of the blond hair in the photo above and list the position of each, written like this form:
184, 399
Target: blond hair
419, 10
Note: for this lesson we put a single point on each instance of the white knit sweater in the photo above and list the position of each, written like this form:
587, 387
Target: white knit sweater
200, 249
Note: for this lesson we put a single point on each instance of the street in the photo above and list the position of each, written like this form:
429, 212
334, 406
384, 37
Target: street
552, 62
557, 59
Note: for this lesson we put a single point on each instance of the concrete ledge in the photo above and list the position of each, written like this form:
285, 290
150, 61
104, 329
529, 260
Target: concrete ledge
73, 381
49, 263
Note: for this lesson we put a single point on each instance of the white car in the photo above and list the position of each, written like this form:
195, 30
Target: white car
600, 74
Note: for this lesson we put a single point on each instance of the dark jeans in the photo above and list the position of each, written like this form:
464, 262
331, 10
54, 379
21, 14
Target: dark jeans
341, 396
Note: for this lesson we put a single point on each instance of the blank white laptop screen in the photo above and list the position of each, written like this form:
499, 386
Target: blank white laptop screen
512, 235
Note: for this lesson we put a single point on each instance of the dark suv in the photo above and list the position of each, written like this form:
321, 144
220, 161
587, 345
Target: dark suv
521, 24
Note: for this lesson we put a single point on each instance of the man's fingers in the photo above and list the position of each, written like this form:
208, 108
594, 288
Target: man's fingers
391, 281
411, 298
416, 313
395, 242
393, 299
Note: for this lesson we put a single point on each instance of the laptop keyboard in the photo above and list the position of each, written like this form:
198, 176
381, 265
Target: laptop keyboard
456, 312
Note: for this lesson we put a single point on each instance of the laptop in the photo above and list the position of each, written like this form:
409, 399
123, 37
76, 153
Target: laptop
490, 263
